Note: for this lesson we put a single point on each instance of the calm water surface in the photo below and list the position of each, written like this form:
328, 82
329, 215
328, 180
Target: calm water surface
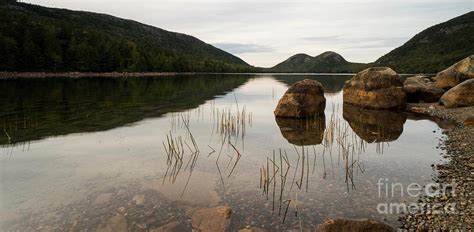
75, 151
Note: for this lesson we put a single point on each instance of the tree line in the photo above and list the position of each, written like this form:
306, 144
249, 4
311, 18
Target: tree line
31, 42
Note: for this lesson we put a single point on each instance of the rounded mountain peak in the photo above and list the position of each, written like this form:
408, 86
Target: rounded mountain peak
299, 58
331, 56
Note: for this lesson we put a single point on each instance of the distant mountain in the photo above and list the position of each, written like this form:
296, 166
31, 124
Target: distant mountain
435, 48
430, 51
327, 62
36, 38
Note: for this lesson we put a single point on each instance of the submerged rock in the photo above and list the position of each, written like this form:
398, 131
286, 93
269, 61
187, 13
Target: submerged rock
346, 225
252, 229
139, 199
374, 125
174, 226
461, 95
421, 89
304, 99
378, 87
302, 132
117, 223
211, 219
104, 198
469, 121
198, 193
457, 73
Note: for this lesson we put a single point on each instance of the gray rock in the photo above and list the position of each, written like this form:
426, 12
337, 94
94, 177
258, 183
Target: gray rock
457, 73
304, 99
421, 89
459, 96
378, 87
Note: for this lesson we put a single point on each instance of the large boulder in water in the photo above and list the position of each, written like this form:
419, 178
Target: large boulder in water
380, 88
456, 74
374, 125
421, 89
461, 95
303, 132
304, 99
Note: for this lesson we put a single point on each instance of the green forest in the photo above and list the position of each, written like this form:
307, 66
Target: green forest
35, 38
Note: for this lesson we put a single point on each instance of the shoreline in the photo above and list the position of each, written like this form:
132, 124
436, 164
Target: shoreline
457, 115
458, 148
12, 75
8, 75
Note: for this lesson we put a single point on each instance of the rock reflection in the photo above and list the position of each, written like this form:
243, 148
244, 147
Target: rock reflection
303, 132
374, 125
443, 124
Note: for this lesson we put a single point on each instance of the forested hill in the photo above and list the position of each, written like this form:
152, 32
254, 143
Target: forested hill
435, 48
36, 38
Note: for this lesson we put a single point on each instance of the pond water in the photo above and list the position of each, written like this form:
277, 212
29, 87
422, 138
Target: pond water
74, 152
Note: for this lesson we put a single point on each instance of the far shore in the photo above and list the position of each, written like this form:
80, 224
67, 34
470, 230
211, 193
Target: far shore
5, 75
8, 75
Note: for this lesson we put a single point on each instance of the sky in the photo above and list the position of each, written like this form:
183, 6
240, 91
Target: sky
266, 32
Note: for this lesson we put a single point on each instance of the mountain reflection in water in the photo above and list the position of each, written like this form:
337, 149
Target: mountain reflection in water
34, 108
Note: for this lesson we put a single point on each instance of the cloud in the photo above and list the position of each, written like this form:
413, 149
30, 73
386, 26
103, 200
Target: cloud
377, 43
350, 42
322, 38
240, 48
383, 43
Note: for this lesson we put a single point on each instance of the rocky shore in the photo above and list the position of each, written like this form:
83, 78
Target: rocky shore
447, 96
459, 116
458, 149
